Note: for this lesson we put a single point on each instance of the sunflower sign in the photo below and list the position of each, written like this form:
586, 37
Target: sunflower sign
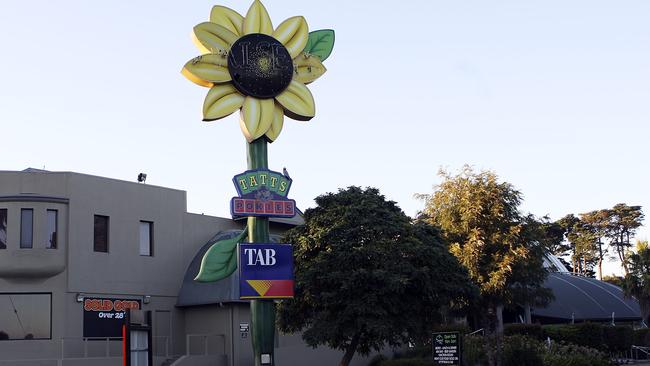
262, 71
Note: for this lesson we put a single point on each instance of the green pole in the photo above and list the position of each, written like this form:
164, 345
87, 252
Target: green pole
262, 311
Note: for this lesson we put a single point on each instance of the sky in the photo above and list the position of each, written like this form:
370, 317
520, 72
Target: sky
551, 95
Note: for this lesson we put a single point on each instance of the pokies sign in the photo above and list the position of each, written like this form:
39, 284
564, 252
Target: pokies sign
103, 317
262, 193
265, 271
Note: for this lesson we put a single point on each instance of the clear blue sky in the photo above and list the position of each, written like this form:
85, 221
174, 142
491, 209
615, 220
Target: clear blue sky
552, 95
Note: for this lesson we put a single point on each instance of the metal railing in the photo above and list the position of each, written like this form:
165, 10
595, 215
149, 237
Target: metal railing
208, 344
644, 350
160, 346
90, 347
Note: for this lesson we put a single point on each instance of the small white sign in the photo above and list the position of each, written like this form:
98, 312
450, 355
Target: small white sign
243, 327
266, 359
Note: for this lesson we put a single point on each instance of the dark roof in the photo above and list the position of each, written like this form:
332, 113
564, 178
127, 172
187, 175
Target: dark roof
195, 293
586, 299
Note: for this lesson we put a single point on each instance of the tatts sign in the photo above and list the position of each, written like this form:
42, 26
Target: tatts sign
265, 271
262, 193
103, 318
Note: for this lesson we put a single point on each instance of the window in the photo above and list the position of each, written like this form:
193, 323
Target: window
101, 234
26, 228
146, 238
25, 316
3, 228
52, 225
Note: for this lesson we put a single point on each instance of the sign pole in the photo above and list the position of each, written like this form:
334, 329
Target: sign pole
263, 71
262, 311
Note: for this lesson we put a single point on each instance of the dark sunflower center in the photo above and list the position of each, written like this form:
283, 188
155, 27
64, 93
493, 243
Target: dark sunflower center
260, 66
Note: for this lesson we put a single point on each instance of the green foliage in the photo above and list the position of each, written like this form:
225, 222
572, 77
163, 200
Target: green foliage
320, 43
572, 355
583, 334
220, 260
618, 339
530, 330
520, 350
623, 221
479, 217
641, 337
614, 280
366, 277
475, 350
637, 282
592, 335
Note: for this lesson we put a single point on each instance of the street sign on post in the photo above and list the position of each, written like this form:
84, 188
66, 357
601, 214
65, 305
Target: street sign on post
447, 348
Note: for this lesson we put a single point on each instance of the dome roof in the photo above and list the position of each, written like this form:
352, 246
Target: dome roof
582, 298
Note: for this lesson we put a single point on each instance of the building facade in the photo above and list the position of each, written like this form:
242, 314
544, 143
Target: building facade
77, 249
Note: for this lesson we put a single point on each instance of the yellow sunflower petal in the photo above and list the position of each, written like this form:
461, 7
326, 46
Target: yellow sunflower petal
221, 101
293, 33
297, 101
227, 18
257, 20
207, 69
256, 117
307, 68
213, 38
278, 120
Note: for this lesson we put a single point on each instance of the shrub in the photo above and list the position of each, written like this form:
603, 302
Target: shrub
572, 355
408, 362
618, 339
641, 337
529, 330
583, 334
519, 350
474, 351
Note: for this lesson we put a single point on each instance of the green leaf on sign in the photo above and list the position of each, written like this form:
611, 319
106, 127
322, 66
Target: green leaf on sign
320, 43
220, 261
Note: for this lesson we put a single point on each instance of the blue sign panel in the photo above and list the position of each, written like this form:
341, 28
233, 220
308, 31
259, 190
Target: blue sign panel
265, 271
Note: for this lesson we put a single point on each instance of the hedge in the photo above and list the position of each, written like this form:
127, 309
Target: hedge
529, 330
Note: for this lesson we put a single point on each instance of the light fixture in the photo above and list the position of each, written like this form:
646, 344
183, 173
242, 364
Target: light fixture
146, 299
80, 297
142, 177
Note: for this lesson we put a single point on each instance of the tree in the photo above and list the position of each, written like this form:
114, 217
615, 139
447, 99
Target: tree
637, 281
479, 218
623, 222
581, 242
593, 227
367, 277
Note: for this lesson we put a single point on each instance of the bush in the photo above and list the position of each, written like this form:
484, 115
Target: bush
530, 330
641, 337
519, 350
583, 334
408, 362
618, 339
572, 355
474, 350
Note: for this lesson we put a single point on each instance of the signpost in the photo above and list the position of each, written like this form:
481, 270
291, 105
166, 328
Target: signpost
262, 71
447, 348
